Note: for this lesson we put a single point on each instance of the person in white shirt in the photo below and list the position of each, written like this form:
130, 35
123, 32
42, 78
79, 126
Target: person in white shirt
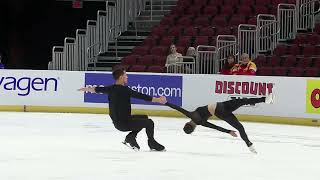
173, 57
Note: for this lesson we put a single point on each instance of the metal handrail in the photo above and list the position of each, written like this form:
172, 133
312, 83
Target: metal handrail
95, 55
151, 3
290, 11
135, 24
202, 63
180, 63
253, 49
135, 15
116, 38
307, 3
204, 46
99, 46
230, 45
151, 8
277, 32
57, 49
92, 46
226, 46
226, 42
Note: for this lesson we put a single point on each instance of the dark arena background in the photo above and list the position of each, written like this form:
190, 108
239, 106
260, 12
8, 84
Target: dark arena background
159, 89
30, 28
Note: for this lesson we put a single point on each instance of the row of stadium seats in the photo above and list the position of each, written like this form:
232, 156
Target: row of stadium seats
289, 71
198, 22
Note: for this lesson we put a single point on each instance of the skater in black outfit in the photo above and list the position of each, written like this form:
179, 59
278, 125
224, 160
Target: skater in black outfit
224, 111
120, 110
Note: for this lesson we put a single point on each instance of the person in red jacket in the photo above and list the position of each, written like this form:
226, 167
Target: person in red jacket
247, 67
230, 67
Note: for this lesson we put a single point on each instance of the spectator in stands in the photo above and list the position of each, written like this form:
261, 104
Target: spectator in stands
191, 52
1, 65
230, 67
173, 57
247, 67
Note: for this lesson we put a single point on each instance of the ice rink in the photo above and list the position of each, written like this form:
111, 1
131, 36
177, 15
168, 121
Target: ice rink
53, 146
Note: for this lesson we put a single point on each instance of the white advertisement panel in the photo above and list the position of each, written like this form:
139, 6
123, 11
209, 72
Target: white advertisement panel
46, 88
290, 93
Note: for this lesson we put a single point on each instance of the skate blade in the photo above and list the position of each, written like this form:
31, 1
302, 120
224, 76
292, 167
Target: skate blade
131, 147
153, 150
253, 151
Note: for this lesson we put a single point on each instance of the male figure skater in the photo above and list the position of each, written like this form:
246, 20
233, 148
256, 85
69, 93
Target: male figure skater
120, 110
224, 111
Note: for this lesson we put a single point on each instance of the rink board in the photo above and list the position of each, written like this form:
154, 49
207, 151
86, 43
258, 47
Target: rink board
297, 98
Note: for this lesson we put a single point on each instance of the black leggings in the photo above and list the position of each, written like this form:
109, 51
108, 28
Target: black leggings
136, 123
225, 110
234, 104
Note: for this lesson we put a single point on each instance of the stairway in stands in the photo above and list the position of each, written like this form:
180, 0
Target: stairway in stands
192, 23
132, 37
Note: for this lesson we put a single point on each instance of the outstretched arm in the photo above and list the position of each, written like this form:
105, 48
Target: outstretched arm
212, 126
104, 90
178, 108
138, 95
206, 124
87, 89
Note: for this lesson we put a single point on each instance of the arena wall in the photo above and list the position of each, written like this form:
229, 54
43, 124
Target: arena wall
297, 98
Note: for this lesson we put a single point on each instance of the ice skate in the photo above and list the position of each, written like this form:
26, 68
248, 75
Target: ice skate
131, 142
252, 149
270, 98
155, 146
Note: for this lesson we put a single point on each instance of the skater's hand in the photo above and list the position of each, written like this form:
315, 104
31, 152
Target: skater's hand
87, 89
161, 100
233, 133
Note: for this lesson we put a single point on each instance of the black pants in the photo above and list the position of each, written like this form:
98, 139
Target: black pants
234, 104
224, 111
136, 123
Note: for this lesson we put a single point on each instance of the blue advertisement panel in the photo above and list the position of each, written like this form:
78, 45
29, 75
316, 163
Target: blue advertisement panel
153, 85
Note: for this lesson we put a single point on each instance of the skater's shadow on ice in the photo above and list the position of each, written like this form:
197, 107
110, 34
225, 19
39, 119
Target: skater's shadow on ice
205, 154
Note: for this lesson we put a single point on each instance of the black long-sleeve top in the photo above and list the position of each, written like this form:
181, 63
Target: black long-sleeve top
120, 102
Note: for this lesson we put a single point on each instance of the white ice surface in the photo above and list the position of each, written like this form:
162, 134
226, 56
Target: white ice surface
53, 146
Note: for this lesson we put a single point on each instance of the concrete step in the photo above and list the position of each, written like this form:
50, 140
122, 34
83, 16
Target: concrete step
146, 24
126, 43
113, 53
162, 2
140, 27
132, 38
133, 33
109, 59
159, 7
99, 68
154, 12
149, 18
121, 48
